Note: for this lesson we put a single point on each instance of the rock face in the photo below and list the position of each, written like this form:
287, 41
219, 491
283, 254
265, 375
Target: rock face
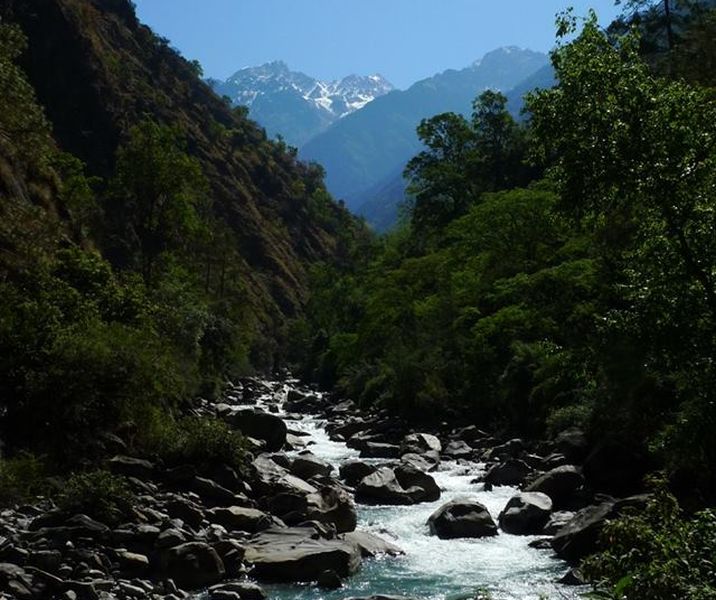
299, 554
194, 565
462, 519
526, 513
579, 537
559, 484
260, 425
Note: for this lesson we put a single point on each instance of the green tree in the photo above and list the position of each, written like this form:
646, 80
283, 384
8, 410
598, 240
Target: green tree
155, 197
464, 159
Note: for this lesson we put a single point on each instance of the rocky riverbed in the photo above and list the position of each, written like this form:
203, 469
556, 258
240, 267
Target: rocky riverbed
335, 504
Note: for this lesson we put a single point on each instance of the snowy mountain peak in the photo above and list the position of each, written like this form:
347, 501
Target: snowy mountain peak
336, 98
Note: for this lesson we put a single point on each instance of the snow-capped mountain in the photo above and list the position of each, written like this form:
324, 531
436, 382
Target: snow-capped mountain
296, 105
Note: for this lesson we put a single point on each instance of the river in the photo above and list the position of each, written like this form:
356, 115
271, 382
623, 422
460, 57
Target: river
501, 567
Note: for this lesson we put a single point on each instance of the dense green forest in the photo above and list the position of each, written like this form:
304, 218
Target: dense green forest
561, 273
553, 273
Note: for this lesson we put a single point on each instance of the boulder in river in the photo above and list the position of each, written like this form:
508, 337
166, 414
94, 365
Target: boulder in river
382, 487
409, 478
419, 443
458, 449
511, 472
526, 513
331, 504
352, 471
462, 519
559, 484
372, 545
379, 450
299, 554
307, 465
423, 462
259, 425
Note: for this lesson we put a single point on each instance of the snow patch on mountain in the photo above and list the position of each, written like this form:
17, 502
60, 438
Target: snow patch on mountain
336, 98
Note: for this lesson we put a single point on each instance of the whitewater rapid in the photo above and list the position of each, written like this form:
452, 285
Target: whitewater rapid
497, 568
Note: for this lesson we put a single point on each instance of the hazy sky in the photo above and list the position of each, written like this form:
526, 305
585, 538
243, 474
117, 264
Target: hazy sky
404, 40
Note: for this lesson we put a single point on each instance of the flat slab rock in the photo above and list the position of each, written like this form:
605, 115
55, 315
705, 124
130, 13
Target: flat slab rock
372, 545
299, 554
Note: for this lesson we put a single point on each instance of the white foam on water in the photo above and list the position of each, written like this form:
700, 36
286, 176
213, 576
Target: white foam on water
504, 566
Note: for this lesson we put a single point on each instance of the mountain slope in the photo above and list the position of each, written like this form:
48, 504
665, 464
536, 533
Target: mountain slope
380, 203
296, 105
364, 148
97, 71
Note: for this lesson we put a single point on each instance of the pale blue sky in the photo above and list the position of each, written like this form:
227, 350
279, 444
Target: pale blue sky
404, 40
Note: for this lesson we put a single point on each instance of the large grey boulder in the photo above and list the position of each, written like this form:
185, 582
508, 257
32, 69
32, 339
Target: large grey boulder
419, 443
259, 425
379, 450
579, 537
299, 554
382, 487
526, 513
409, 477
428, 461
307, 465
511, 472
353, 471
270, 479
236, 518
193, 565
462, 519
458, 449
332, 505
559, 484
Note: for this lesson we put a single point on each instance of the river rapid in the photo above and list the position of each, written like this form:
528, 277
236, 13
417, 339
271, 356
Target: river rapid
496, 568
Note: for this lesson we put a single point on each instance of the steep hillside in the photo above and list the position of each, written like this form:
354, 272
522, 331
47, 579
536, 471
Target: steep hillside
97, 72
364, 148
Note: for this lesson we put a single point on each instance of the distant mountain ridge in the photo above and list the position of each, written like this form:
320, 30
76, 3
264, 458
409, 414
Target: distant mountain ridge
295, 105
362, 151
380, 204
